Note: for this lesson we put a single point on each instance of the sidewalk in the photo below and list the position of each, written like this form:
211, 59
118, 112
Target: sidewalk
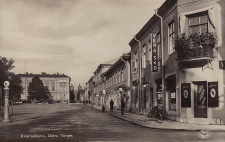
143, 121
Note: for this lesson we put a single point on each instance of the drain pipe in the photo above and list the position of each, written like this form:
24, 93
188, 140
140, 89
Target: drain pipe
140, 76
162, 61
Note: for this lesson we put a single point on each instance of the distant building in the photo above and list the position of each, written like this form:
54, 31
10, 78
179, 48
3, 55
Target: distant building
58, 85
99, 82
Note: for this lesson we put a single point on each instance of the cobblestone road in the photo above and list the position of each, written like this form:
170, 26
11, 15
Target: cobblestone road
76, 122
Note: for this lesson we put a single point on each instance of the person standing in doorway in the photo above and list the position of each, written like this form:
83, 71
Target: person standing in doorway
122, 106
111, 103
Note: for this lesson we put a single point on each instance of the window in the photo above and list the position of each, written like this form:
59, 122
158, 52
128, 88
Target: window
119, 77
116, 78
198, 22
144, 56
53, 87
135, 59
171, 37
122, 75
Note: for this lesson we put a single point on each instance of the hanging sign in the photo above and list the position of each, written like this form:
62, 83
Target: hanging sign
213, 100
154, 53
185, 95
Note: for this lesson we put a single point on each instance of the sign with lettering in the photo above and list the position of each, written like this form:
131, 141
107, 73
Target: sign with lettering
185, 95
154, 53
222, 65
201, 96
213, 100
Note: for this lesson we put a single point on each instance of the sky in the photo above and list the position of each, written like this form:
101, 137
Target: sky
69, 36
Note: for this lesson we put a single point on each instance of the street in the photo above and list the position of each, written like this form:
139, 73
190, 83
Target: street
78, 122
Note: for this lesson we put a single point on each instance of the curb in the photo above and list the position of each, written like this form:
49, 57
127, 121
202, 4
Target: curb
157, 127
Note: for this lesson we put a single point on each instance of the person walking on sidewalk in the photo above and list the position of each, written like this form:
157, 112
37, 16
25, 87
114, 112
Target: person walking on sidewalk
111, 103
122, 106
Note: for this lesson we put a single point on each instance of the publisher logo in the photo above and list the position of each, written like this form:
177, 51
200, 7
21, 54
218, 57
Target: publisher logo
204, 134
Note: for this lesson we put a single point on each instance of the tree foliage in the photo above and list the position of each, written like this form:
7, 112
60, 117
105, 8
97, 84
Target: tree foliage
72, 95
16, 89
37, 90
5, 67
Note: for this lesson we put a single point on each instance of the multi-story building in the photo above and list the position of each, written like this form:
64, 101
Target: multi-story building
117, 82
178, 64
90, 87
99, 81
58, 85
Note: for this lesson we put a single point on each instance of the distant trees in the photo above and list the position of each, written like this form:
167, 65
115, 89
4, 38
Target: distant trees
16, 89
72, 95
37, 90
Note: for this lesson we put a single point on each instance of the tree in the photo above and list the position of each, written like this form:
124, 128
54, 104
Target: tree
15, 87
37, 90
72, 95
5, 67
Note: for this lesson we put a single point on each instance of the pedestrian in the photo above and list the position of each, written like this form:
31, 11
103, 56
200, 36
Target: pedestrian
122, 106
111, 103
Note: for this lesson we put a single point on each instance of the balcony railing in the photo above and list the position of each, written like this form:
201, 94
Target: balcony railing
203, 51
195, 46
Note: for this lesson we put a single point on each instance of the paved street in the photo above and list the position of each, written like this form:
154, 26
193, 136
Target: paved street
76, 122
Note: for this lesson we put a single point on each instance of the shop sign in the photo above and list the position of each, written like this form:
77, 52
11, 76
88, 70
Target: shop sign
222, 64
185, 95
173, 95
154, 53
213, 100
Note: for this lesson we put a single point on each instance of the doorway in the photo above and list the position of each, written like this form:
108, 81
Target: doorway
200, 109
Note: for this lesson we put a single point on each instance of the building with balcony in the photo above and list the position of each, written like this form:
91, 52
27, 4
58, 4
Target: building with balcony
117, 82
58, 85
177, 62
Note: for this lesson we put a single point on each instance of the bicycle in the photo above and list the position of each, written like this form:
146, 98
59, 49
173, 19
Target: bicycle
156, 113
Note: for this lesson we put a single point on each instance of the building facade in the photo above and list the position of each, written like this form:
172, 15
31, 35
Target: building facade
58, 85
90, 87
99, 81
177, 62
117, 82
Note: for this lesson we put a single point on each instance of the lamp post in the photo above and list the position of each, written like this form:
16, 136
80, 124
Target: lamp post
6, 105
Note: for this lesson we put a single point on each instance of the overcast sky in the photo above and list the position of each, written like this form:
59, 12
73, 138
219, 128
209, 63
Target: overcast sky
69, 36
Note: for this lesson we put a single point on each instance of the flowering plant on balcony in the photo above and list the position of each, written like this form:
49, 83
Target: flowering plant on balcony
195, 45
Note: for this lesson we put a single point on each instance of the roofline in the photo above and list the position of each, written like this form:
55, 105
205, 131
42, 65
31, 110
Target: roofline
118, 62
41, 75
152, 20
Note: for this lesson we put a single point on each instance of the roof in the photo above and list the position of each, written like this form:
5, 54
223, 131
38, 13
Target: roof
108, 63
125, 56
42, 75
111, 61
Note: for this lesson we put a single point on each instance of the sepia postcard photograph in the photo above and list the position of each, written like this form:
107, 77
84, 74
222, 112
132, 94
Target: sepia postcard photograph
112, 71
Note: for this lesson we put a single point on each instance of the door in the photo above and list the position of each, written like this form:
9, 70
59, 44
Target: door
201, 100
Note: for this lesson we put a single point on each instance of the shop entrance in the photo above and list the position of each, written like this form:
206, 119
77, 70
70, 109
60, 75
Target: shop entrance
200, 99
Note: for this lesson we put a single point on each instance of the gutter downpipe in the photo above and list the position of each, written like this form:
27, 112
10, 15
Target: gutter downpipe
140, 77
162, 63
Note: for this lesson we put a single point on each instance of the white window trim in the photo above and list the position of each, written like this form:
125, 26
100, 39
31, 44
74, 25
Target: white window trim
211, 15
